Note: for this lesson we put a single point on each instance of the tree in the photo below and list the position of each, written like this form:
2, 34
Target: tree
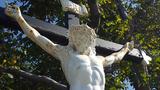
111, 27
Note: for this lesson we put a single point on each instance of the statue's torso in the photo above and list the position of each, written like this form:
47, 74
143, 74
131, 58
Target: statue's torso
83, 72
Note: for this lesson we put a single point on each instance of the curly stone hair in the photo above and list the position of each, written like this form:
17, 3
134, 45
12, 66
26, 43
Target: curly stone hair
83, 37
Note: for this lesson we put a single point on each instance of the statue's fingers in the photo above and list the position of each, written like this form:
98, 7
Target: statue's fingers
15, 7
8, 6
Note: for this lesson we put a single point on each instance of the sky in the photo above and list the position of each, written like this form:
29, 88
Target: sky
2, 4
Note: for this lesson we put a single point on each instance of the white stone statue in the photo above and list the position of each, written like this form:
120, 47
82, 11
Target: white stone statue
83, 69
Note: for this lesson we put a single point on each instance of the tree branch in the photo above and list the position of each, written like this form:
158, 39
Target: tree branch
121, 9
94, 13
36, 78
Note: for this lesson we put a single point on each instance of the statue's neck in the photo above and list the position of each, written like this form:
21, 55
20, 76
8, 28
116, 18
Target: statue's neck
87, 51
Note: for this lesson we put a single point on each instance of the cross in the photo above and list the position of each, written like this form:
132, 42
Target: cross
79, 11
58, 34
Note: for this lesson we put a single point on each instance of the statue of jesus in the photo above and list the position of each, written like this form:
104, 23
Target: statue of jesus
83, 69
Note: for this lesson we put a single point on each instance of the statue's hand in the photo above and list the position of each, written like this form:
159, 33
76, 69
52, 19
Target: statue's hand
129, 46
13, 11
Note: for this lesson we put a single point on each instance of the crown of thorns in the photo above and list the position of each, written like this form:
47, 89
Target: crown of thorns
83, 30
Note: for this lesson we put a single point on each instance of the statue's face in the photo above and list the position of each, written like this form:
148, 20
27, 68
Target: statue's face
81, 38
82, 43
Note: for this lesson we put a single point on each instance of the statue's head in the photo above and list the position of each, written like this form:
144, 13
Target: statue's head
82, 39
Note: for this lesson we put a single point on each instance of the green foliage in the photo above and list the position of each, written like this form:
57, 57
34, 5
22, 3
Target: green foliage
111, 24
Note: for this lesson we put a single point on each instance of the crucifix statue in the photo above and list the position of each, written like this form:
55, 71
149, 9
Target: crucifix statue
83, 69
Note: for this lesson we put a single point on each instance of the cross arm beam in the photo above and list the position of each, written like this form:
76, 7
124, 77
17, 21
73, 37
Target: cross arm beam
58, 35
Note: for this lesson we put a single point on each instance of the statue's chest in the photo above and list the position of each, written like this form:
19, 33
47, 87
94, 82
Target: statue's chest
85, 69
84, 59
81, 59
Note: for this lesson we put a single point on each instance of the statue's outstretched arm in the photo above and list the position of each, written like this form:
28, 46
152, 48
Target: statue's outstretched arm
118, 56
51, 48
68, 5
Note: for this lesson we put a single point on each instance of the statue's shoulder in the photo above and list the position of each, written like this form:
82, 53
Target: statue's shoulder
69, 49
100, 57
64, 50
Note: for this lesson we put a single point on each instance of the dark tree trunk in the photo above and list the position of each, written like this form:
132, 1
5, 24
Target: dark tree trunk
94, 13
